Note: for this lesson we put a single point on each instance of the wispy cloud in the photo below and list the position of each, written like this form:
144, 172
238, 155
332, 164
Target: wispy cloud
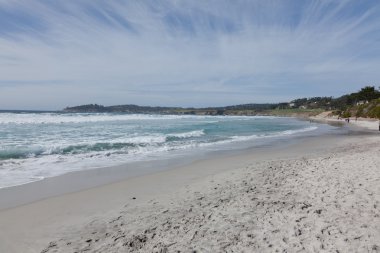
190, 53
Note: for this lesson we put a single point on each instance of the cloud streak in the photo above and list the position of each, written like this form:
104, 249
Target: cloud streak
186, 53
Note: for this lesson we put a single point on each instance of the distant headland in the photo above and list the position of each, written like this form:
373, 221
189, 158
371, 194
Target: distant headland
364, 103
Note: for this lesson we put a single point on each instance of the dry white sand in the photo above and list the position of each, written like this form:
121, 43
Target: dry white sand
325, 202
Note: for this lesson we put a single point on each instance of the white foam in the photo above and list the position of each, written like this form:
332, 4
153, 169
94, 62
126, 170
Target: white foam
307, 129
155, 138
255, 136
196, 133
150, 139
55, 118
60, 118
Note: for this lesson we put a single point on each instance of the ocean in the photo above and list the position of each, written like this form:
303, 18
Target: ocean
34, 146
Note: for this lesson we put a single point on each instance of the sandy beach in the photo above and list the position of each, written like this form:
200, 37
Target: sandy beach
321, 194
167, 126
370, 124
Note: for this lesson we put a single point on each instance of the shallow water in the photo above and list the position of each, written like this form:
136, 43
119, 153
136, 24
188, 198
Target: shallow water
34, 146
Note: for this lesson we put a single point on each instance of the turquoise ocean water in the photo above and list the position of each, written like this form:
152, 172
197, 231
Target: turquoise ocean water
34, 146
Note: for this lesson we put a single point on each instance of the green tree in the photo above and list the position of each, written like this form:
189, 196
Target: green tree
367, 93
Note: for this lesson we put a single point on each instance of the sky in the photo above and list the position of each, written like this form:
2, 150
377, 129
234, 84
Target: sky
62, 53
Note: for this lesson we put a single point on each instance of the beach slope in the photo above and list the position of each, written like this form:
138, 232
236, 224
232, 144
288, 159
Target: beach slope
330, 203
317, 201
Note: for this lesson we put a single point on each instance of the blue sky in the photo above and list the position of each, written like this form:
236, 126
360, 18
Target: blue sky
184, 53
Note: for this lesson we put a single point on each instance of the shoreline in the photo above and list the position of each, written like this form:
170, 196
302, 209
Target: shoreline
167, 162
37, 161
74, 181
363, 123
31, 226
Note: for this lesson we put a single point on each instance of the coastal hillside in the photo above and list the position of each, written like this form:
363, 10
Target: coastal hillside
363, 103
367, 109
245, 109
